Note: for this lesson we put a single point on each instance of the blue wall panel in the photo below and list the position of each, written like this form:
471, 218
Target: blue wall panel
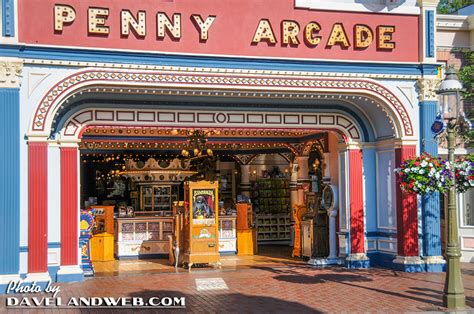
9, 181
8, 18
430, 203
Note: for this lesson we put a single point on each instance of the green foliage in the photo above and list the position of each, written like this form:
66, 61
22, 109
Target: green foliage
466, 75
450, 6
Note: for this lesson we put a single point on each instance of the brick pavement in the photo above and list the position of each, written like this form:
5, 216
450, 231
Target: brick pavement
281, 288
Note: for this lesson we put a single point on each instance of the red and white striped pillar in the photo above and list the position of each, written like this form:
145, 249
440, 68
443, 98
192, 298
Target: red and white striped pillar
37, 210
407, 218
70, 267
357, 257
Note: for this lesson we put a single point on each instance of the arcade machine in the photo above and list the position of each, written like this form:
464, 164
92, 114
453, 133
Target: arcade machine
201, 224
86, 226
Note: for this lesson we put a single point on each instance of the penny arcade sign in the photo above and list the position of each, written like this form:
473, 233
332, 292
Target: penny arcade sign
239, 28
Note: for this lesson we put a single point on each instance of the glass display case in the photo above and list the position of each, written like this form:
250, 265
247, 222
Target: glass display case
142, 237
227, 234
157, 198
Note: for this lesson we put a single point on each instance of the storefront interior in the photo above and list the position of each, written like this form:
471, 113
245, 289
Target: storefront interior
133, 179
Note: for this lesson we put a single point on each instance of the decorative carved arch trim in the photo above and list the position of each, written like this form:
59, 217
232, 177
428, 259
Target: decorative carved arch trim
336, 122
227, 85
245, 159
289, 157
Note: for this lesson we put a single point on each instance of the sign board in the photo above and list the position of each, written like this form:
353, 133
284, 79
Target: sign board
258, 28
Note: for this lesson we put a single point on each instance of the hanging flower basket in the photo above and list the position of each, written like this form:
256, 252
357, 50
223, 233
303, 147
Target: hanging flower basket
425, 175
464, 171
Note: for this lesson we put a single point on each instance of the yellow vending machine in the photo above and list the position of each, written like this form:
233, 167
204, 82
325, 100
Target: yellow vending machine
201, 224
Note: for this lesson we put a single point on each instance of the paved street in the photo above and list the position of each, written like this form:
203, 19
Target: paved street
284, 287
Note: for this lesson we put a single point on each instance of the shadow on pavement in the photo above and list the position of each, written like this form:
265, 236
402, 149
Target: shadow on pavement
221, 302
323, 278
342, 276
436, 294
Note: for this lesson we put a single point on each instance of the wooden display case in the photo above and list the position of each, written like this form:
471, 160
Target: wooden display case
273, 227
201, 244
142, 236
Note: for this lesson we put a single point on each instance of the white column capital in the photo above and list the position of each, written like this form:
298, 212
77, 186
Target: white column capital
70, 144
37, 138
399, 144
10, 73
427, 89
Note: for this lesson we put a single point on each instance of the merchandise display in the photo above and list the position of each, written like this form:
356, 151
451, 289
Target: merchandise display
272, 196
103, 218
273, 227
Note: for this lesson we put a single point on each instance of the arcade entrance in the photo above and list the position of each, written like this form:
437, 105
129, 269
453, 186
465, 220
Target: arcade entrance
133, 182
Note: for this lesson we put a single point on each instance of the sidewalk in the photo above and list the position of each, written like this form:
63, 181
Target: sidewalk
280, 288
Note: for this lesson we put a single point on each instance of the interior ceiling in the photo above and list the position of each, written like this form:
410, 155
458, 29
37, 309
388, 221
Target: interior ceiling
181, 134
121, 138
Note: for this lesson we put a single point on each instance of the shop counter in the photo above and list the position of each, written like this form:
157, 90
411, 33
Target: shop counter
142, 237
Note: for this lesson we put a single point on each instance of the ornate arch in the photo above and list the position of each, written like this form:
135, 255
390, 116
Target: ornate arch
182, 82
79, 121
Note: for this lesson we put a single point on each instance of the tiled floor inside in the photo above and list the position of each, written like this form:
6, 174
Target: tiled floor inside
267, 255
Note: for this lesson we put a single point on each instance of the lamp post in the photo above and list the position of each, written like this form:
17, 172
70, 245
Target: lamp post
449, 90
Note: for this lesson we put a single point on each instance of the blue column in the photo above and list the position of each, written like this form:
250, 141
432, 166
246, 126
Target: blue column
430, 203
9, 181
